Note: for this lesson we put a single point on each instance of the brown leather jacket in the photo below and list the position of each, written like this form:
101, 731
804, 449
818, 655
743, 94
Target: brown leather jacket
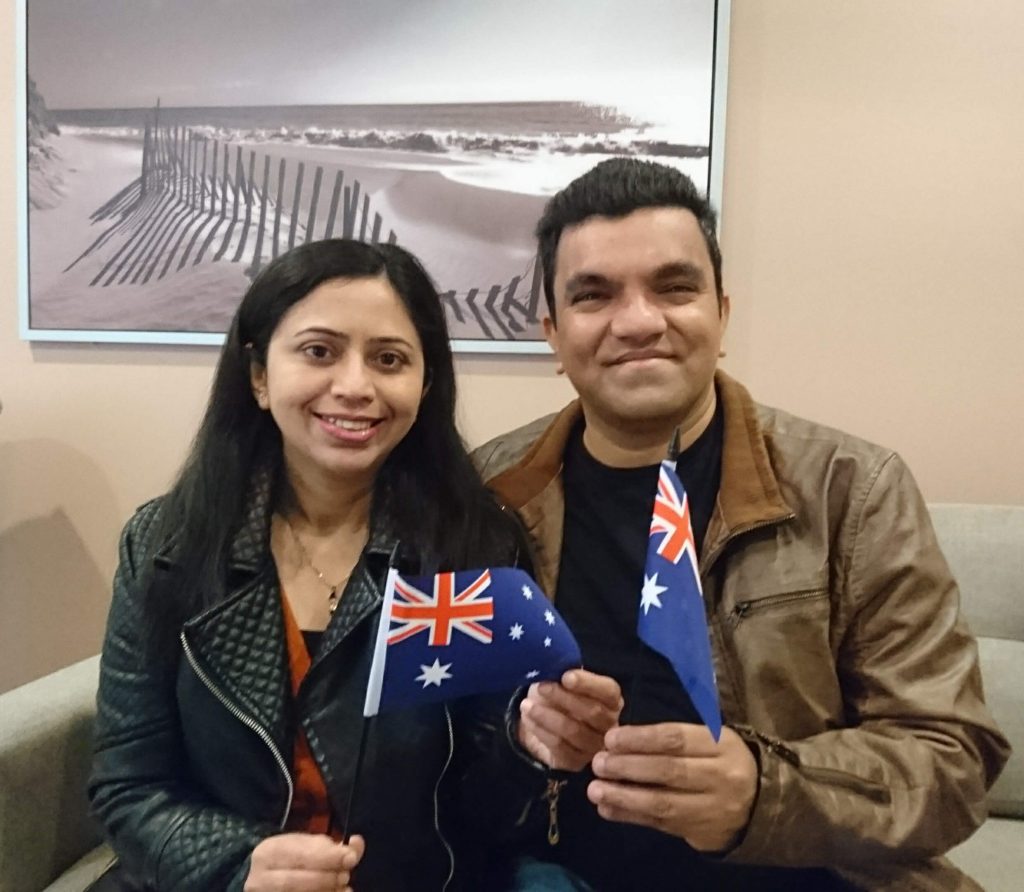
838, 646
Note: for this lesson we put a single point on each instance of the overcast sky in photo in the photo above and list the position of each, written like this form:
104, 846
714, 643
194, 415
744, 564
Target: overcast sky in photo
636, 54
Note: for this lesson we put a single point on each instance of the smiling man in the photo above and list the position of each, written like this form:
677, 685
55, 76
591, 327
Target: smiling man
856, 747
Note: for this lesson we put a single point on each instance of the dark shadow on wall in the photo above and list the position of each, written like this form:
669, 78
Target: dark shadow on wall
53, 594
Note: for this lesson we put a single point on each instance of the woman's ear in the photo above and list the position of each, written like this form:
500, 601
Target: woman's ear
258, 380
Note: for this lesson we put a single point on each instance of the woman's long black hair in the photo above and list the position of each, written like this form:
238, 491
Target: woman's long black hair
427, 488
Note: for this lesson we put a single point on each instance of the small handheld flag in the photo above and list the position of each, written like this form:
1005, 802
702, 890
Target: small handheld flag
671, 618
456, 634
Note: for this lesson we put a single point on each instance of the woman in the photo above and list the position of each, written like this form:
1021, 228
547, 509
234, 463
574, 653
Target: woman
246, 600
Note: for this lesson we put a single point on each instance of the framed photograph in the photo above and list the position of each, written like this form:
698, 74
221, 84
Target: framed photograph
171, 149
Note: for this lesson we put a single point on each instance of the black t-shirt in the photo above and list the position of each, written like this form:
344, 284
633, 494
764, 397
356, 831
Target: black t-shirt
605, 537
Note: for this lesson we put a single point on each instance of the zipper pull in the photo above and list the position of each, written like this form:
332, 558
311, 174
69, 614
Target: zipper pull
551, 793
739, 612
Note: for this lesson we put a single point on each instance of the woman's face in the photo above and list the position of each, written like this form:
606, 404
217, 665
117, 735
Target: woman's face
344, 379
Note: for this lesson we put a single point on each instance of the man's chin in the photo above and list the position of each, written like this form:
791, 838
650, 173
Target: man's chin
646, 408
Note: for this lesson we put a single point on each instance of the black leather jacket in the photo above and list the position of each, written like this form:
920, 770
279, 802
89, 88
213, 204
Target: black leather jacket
192, 760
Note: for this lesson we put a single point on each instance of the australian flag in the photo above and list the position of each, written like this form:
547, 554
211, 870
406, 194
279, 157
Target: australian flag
671, 619
472, 632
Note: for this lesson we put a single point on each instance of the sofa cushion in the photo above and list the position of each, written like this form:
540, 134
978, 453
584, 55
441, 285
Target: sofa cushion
1002, 663
45, 754
983, 544
85, 871
992, 855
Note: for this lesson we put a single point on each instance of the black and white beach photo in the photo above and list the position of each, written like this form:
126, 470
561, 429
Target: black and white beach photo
174, 147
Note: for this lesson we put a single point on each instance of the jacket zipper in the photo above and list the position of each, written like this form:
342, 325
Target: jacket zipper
551, 793
437, 809
246, 720
743, 609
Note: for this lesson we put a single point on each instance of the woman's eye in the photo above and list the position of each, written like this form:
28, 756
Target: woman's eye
390, 359
316, 351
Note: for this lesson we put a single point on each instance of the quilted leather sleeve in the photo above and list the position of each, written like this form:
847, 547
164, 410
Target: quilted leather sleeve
166, 836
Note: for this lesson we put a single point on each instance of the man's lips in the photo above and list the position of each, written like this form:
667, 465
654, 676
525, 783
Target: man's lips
639, 356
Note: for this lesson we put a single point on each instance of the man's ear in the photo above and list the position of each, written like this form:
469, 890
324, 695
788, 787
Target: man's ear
551, 335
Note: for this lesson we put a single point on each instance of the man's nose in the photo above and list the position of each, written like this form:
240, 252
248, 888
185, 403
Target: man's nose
638, 317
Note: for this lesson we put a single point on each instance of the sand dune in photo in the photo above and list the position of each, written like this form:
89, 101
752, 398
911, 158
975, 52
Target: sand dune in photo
112, 257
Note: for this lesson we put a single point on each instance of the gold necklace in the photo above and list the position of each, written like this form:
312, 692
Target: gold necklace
332, 590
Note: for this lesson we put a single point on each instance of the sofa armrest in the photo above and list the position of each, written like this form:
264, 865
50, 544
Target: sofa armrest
45, 756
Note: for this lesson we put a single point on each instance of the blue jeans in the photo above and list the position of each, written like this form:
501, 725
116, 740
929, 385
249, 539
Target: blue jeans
531, 875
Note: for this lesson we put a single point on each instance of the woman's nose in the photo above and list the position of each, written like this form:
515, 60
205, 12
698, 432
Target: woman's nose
352, 380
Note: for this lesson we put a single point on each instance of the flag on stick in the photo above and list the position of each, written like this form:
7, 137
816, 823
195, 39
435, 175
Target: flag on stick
456, 634
671, 618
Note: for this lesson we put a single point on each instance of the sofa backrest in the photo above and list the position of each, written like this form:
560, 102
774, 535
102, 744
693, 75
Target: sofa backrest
984, 545
45, 754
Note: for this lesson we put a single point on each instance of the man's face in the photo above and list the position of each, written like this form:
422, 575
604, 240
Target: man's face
638, 327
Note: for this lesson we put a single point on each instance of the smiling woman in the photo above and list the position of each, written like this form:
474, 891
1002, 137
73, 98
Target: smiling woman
246, 601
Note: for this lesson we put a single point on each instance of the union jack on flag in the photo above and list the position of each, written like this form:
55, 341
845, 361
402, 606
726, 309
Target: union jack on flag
672, 518
671, 617
447, 610
456, 634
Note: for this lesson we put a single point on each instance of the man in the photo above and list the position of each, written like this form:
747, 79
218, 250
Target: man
857, 747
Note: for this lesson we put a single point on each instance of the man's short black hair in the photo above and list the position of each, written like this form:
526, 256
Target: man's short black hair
616, 188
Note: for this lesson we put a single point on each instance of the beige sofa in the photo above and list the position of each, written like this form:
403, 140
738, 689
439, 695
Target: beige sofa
46, 838
984, 545
48, 843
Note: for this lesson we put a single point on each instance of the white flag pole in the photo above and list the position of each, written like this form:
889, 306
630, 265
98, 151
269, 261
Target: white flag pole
380, 648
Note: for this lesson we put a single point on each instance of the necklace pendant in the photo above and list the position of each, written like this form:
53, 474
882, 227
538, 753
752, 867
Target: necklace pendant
332, 601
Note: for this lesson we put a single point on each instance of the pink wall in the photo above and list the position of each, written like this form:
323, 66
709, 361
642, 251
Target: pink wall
874, 244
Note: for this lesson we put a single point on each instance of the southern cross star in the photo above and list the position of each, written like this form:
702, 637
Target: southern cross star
516, 632
649, 594
527, 593
434, 675
549, 617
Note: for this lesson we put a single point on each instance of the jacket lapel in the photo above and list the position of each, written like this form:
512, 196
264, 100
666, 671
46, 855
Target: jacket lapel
749, 495
240, 641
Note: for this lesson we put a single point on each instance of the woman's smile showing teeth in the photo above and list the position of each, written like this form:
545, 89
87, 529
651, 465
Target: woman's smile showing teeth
349, 430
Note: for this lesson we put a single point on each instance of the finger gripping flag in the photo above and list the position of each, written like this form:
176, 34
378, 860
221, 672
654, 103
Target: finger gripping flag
671, 617
456, 634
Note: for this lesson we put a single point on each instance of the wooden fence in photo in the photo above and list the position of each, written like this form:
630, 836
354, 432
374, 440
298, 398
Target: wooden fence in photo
199, 200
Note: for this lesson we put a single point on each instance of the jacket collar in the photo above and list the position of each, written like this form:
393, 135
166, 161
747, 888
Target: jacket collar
240, 640
749, 494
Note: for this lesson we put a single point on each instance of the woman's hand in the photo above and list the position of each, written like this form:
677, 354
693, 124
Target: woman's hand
303, 862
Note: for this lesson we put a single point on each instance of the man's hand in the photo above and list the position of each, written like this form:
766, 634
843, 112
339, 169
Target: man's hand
303, 862
563, 725
675, 778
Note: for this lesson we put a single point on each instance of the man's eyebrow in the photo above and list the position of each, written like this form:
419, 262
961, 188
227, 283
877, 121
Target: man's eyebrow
678, 269
585, 280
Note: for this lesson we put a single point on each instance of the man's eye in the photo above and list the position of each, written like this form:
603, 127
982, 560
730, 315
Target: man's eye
584, 296
679, 288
